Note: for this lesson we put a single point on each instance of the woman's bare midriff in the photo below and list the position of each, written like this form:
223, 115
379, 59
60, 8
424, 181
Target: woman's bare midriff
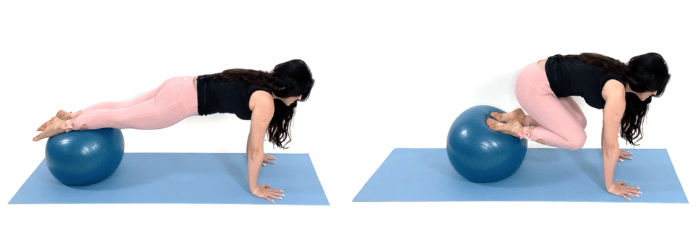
541, 63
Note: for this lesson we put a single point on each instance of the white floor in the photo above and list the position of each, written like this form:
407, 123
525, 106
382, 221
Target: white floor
388, 74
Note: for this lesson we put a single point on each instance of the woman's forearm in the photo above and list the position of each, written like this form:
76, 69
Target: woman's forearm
255, 160
610, 157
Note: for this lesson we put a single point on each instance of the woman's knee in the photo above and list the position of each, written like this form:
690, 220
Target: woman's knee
577, 140
582, 121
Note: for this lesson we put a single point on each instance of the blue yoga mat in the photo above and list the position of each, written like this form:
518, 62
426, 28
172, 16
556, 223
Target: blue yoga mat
546, 175
194, 178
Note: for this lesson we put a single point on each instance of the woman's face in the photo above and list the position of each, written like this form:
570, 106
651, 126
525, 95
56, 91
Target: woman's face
289, 100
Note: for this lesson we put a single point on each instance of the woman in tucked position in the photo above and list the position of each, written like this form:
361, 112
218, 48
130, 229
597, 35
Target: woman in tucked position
623, 91
267, 99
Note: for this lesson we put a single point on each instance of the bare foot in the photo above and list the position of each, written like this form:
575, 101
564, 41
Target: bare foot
505, 117
63, 115
43, 126
517, 113
53, 127
509, 128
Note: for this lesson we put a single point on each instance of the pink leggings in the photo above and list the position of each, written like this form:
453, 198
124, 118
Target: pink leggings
173, 101
561, 121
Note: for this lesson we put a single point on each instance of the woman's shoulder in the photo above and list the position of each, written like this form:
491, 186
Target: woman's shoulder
261, 100
253, 89
613, 88
261, 95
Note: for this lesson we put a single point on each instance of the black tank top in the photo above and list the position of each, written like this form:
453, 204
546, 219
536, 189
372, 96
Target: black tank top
220, 96
569, 76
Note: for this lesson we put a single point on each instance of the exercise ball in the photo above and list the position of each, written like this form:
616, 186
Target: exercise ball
84, 157
480, 154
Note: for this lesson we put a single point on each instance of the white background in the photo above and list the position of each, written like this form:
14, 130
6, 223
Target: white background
388, 74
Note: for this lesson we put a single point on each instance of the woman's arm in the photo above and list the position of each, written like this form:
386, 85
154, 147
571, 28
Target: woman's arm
614, 95
263, 107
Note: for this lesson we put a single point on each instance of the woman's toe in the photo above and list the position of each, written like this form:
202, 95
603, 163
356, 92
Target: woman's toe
501, 117
43, 126
38, 137
492, 123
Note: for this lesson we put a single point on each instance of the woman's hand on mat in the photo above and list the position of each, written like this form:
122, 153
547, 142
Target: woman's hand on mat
268, 159
619, 189
625, 155
263, 191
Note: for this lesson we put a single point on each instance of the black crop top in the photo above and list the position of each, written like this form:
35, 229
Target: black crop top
569, 76
220, 96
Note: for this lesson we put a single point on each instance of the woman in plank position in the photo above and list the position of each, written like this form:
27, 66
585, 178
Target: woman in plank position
623, 91
267, 99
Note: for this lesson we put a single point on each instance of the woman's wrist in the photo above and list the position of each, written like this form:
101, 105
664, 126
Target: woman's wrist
610, 187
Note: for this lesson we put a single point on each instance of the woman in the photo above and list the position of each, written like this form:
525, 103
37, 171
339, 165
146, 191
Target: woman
267, 99
623, 91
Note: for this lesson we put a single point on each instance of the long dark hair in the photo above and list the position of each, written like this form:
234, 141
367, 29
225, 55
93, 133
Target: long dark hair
647, 72
291, 78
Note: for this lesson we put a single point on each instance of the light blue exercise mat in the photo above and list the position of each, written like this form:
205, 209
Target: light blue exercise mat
426, 174
189, 178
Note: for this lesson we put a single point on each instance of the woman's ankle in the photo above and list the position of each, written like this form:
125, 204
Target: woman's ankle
76, 114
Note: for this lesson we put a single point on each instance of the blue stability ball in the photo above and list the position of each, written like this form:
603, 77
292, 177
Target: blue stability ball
84, 157
479, 153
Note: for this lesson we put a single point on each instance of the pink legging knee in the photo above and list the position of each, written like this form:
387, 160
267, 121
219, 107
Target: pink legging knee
171, 102
561, 121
